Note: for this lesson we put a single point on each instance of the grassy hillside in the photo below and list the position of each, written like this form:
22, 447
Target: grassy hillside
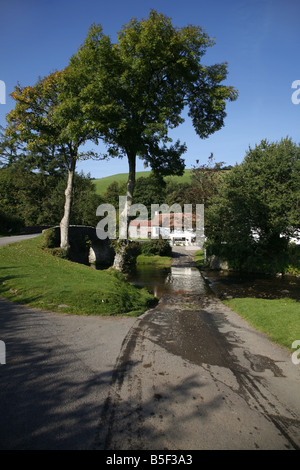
31, 276
103, 183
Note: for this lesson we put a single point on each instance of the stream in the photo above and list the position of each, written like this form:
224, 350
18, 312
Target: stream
183, 277
174, 280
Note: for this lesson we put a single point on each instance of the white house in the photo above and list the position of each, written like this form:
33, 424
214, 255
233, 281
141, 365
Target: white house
178, 228
140, 229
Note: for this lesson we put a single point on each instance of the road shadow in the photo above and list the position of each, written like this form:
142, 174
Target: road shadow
50, 399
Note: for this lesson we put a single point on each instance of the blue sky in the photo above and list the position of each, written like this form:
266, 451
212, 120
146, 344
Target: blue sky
260, 40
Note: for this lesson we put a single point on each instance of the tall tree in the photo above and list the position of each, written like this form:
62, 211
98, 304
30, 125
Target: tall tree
205, 181
45, 131
257, 211
136, 90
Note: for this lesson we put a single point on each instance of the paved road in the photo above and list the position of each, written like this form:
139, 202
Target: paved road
189, 374
16, 238
193, 375
57, 374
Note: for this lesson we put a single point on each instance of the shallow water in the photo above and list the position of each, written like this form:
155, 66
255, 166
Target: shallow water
231, 284
174, 280
183, 279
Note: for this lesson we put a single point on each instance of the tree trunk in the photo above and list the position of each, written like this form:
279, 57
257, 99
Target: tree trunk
124, 221
120, 258
65, 221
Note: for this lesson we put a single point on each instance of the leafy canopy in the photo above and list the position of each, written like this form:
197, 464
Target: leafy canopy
257, 210
46, 127
135, 90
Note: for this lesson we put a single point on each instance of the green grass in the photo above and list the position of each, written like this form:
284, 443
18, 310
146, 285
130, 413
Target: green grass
199, 258
103, 183
155, 260
278, 318
31, 276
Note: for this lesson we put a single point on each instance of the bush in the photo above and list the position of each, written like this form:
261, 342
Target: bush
51, 238
294, 259
158, 247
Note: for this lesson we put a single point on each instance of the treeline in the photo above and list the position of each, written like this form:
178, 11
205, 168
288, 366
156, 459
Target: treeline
35, 199
255, 214
252, 210
203, 185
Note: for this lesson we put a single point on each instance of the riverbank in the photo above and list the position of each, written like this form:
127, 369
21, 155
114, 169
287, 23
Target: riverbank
268, 303
33, 277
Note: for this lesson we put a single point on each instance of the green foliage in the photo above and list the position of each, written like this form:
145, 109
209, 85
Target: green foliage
278, 318
113, 191
50, 238
158, 247
199, 259
135, 90
84, 201
10, 224
32, 276
205, 181
154, 260
45, 131
103, 183
294, 259
24, 195
257, 210
150, 190
36, 199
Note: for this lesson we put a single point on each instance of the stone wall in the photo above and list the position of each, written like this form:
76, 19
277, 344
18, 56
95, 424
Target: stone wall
86, 247
214, 262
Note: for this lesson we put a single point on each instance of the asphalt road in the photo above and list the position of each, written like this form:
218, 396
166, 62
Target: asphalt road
189, 374
16, 238
193, 375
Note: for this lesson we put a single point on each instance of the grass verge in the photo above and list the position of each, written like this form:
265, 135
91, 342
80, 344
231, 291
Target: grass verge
33, 277
155, 260
199, 258
279, 319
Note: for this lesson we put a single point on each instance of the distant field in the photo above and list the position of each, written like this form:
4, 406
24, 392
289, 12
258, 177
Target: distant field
103, 183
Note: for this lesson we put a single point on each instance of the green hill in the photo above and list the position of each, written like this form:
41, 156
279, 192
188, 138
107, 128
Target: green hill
103, 183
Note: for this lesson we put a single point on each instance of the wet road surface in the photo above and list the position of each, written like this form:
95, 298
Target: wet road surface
189, 374
192, 374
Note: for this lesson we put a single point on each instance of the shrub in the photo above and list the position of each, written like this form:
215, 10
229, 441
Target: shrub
158, 247
50, 238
